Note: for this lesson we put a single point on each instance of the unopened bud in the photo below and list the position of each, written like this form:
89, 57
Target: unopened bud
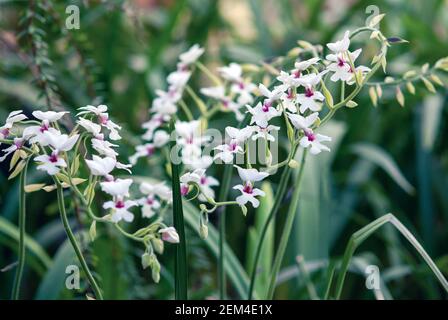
157, 245
293, 164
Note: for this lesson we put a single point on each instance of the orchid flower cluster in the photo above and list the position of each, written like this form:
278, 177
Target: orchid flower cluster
58, 154
297, 102
298, 97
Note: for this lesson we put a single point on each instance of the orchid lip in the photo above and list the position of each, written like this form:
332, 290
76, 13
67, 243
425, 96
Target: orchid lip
119, 204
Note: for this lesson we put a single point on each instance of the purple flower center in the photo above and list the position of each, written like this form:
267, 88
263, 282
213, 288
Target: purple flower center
310, 135
53, 158
309, 93
297, 74
203, 180
290, 94
150, 151
44, 127
241, 85
150, 201
225, 103
341, 62
5, 132
103, 118
248, 188
119, 204
232, 146
184, 189
266, 106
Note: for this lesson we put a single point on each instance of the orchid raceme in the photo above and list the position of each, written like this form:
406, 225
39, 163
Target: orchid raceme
212, 137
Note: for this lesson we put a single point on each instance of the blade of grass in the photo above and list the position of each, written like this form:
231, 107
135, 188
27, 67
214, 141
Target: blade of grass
361, 235
22, 222
286, 230
181, 275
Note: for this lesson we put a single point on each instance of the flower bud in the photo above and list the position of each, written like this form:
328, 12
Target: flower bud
146, 260
293, 164
169, 235
244, 210
157, 245
203, 230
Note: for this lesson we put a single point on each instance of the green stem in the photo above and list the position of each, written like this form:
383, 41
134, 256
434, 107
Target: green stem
22, 222
209, 74
222, 230
74, 244
277, 202
286, 230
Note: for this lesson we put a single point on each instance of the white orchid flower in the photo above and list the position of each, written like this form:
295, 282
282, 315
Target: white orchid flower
340, 45
89, 126
314, 142
36, 134
301, 122
13, 117
98, 111
146, 150
252, 175
300, 66
186, 179
288, 101
227, 151
117, 188
169, 235
104, 147
120, 209
311, 98
205, 185
202, 162
271, 96
157, 120
165, 103
103, 118
59, 141
191, 56
178, 79
101, 166
16, 116
248, 192
232, 72
160, 138
159, 189
50, 116
264, 133
149, 206
341, 67
262, 114
18, 143
217, 93
52, 163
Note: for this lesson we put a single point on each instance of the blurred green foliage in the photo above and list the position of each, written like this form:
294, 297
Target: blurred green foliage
122, 53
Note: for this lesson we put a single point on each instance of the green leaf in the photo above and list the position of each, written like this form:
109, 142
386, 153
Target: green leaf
10, 231
381, 158
178, 221
54, 280
232, 266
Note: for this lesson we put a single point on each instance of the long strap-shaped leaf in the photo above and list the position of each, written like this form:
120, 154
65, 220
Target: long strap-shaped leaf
361, 235
178, 221
235, 272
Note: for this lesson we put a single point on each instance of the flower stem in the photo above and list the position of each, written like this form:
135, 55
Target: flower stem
74, 244
222, 230
277, 202
22, 222
286, 230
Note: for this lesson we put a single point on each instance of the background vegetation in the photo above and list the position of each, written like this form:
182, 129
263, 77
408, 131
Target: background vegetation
385, 159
